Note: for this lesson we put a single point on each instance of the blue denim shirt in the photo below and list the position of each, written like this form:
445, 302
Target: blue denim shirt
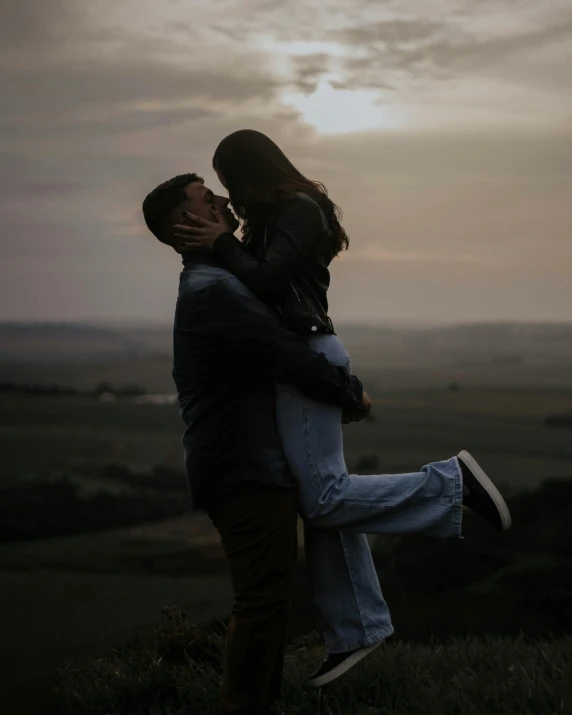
229, 350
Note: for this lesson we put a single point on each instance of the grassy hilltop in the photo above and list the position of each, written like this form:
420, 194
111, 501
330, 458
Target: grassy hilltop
176, 669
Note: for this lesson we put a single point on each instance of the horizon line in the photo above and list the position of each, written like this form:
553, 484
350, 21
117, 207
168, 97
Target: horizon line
390, 323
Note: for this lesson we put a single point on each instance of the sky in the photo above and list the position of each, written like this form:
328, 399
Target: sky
442, 128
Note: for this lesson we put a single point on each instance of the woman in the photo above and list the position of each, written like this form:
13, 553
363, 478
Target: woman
291, 233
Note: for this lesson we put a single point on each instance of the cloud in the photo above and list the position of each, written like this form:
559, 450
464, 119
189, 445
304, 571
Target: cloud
418, 52
468, 54
37, 25
69, 94
309, 69
393, 33
373, 252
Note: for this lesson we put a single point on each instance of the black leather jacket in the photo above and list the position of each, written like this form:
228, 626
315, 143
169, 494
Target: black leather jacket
286, 264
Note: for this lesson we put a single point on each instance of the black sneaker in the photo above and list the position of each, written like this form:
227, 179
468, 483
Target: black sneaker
336, 664
480, 494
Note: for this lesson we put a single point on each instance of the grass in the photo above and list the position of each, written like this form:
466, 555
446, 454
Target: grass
51, 617
176, 669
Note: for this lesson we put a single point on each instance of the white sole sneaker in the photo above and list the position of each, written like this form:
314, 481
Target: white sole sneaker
490, 489
343, 667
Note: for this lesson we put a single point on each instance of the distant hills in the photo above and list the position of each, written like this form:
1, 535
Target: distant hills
389, 356
485, 342
74, 342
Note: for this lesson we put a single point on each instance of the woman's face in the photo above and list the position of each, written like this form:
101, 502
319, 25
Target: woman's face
248, 192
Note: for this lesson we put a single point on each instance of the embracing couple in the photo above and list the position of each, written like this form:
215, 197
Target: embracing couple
264, 386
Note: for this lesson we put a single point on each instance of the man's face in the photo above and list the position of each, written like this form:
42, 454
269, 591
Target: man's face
202, 202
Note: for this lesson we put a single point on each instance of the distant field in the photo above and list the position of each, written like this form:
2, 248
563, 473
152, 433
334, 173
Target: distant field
503, 428
380, 373
118, 550
152, 372
502, 355
41, 436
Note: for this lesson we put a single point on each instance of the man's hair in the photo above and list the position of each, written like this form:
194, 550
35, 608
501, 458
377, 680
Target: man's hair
159, 205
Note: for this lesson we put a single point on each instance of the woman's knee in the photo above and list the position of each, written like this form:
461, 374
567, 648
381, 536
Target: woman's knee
317, 514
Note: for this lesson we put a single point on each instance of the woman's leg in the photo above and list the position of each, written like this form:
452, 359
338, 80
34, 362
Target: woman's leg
345, 586
345, 589
339, 509
428, 501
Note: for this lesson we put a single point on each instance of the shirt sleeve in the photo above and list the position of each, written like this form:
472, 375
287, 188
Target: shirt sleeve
294, 233
250, 328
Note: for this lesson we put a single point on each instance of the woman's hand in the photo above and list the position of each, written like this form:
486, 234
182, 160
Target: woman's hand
198, 234
360, 413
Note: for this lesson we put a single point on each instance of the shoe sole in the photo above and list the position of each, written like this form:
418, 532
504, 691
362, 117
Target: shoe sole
342, 668
489, 487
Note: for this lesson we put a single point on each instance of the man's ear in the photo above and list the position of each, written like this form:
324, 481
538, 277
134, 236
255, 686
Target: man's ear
168, 232
177, 217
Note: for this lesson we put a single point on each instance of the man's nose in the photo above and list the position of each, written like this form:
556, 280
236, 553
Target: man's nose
223, 200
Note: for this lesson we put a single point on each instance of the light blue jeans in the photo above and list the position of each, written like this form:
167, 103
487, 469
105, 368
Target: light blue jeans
340, 508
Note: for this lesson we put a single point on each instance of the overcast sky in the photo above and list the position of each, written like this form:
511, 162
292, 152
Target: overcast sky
442, 128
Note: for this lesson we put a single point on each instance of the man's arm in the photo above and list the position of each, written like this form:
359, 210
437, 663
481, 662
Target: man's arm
251, 328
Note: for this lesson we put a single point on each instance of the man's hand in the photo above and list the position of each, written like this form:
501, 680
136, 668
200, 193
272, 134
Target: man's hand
198, 234
360, 413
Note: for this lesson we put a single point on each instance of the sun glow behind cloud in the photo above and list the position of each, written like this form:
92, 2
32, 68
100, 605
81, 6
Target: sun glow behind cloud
329, 109
341, 111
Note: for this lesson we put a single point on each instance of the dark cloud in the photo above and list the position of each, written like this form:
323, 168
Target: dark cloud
36, 25
53, 95
308, 71
65, 77
440, 50
392, 33
471, 53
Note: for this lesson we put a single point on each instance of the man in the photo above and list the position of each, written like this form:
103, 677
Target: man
229, 350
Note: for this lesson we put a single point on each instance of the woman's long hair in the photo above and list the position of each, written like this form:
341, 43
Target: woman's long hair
257, 174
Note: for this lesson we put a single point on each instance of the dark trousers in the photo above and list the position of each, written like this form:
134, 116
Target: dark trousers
259, 538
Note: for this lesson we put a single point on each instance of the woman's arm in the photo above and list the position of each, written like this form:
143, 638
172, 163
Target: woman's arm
295, 230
